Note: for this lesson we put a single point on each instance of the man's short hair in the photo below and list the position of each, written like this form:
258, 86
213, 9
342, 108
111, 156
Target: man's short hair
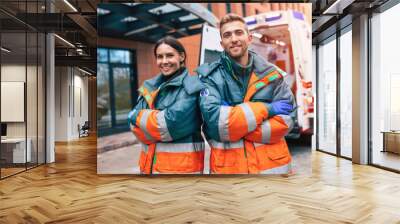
231, 17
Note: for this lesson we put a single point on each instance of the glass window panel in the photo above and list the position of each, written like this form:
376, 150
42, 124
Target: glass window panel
103, 96
122, 93
41, 99
346, 94
327, 97
119, 56
31, 98
13, 73
385, 89
102, 55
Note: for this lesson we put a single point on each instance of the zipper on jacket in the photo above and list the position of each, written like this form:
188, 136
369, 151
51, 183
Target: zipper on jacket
244, 149
153, 162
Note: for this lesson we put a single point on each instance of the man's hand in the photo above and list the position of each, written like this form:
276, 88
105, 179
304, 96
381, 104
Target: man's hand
279, 107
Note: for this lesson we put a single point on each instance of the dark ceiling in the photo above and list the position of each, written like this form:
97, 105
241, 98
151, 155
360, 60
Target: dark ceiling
151, 21
83, 20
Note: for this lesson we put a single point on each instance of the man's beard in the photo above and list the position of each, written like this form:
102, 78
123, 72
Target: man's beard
241, 54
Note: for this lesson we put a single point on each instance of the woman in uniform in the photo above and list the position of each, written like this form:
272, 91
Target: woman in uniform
166, 118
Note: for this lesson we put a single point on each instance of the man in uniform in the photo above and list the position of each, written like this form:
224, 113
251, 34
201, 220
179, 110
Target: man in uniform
246, 106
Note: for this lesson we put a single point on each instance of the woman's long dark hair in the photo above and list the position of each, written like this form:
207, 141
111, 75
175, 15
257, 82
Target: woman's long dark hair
172, 42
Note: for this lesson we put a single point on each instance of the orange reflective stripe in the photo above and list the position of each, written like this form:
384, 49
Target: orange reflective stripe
153, 96
251, 88
142, 161
237, 123
262, 134
278, 128
259, 110
152, 126
140, 135
181, 162
256, 135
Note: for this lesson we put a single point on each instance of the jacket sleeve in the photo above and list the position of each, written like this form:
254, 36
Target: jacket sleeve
275, 128
177, 121
142, 136
228, 123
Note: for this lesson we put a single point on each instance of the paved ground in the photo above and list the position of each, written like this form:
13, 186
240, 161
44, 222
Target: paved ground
116, 141
124, 160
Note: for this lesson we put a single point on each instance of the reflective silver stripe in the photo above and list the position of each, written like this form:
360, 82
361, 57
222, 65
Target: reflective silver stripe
199, 146
223, 122
265, 132
285, 169
256, 144
145, 147
250, 117
143, 123
162, 127
178, 147
226, 145
288, 121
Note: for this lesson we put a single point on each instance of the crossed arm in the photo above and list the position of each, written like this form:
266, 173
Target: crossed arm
174, 122
249, 120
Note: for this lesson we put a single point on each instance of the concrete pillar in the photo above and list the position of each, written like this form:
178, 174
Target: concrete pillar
50, 92
360, 90
50, 99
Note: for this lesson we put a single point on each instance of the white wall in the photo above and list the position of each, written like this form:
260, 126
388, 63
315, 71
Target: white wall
33, 126
61, 103
12, 73
71, 87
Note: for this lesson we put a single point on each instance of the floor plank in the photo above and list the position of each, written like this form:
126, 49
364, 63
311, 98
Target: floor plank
70, 191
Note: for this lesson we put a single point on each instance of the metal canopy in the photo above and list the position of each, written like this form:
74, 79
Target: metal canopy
150, 22
332, 15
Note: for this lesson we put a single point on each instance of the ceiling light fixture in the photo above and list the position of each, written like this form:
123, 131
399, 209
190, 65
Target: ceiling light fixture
5, 49
84, 71
65, 41
70, 5
141, 30
337, 7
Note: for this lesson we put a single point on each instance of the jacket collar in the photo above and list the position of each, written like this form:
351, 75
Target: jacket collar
261, 67
157, 82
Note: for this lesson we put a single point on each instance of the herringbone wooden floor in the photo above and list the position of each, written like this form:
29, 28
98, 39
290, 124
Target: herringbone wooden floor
70, 191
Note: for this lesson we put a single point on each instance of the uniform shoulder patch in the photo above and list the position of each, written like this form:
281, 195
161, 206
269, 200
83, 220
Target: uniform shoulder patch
204, 92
